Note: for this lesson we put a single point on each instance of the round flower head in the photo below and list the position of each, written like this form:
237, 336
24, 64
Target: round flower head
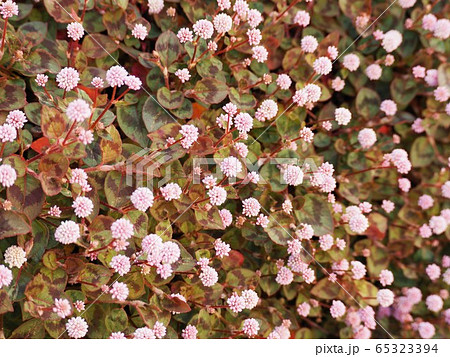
122, 229
342, 116
117, 336
15, 256
284, 81
358, 270
303, 309
293, 175
338, 84
254, 18
404, 184
67, 78
388, 206
418, 71
226, 216
389, 107
432, 77
337, 309
386, 277
142, 198
250, 327
433, 271
438, 224
78, 110
121, 264
7, 175
284, 276
204, 29
155, 6
67, 232
260, 54
442, 29
434, 303
374, 71
41, 80
425, 202
140, 32
358, 223
385, 297
9, 9
119, 291
222, 23
332, 52
243, 122
250, 299
185, 35
222, 249
97, 82
183, 75
115, 76
309, 44
367, 137
426, 330
8, 133
445, 189
82, 206
267, 110
322, 65
190, 135
302, 18
351, 62
251, 207
171, 191
391, 40
236, 303
77, 327
62, 308
230, 166
5, 276
170, 252
254, 37
189, 333
144, 333
217, 195
75, 31
17, 119
314, 92
406, 4
208, 276
133, 82
441, 94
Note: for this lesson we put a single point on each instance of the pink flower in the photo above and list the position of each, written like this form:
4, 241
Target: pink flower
222, 249
183, 75
326, 242
79, 305
406, 4
155, 6
78, 110
242, 149
332, 52
185, 35
82, 206
85, 136
170, 252
224, 4
254, 18
41, 80
342, 116
442, 29
293, 175
144, 333
226, 216
302, 18
254, 37
119, 291
236, 303
115, 76
77, 327
351, 62
8, 133
385, 297
171, 191
337, 309
438, 224
434, 303
284, 276
367, 137
358, 223
445, 189
260, 54
68, 78
159, 329
267, 110
217, 195
122, 229
314, 92
432, 77
75, 31
391, 40
429, 22
121, 264
189, 333
5, 276
133, 82
117, 336
433, 271
142, 198
388, 107
67, 232
300, 97
441, 94
386, 277
284, 81
230, 166
9, 9
425, 202
426, 330
203, 28
388, 206
374, 71
250, 327
303, 309
309, 44
262, 221
62, 308
251, 207
190, 135
358, 270
425, 231
97, 82
404, 184
251, 299
417, 126
54, 211
307, 135
222, 23
418, 71
208, 276
338, 84
322, 65
17, 119
7, 175
140, 32
241, 8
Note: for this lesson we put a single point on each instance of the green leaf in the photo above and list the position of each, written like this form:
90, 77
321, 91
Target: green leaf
114, 22
53, 123
168, 47
242, 278
317, 213
367, 102
94, 276
278, 227
169, 99
117, 191
208, 90
421, 152
98, 46
209, 219
403, 91
32, 33
61, 10
27, 196
367, 291
12, 93
154, 116
116, 320
326, 290
33, 328
132, 124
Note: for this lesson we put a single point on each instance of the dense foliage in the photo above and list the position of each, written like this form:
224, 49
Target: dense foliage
203, 169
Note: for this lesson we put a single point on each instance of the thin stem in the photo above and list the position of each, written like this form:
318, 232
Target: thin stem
4, 34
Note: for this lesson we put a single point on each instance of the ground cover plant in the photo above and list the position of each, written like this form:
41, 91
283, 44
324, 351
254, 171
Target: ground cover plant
224, 169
